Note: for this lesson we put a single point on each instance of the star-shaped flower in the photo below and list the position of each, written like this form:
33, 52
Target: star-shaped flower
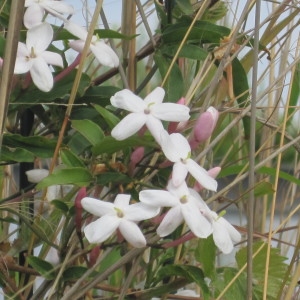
103, 53
184, 207
150, 112
118, 215
224, 234
177, 149
35, 11
34, 58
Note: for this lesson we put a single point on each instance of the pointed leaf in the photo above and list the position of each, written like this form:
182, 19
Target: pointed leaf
77, 176
42, 266
109, 117
70, 159
90, 130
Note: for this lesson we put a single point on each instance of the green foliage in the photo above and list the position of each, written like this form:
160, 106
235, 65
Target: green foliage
276, 269
42, 266
77, 176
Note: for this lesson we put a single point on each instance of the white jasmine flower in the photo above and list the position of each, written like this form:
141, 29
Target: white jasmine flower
34, 58
35, 11
118, 215
150, 112
184, 207
177, 149
224, 234
103, 53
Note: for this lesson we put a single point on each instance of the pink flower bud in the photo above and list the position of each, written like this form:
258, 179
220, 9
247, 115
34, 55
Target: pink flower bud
78, 208
214, 172
173, 125
137, 155
205, 124
94, 254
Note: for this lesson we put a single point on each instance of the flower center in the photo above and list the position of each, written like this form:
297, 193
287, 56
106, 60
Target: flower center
147, 110
32, 54
120, 213
184, 199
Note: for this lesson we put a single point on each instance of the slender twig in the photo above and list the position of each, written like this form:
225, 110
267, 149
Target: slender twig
251, 199
14, 27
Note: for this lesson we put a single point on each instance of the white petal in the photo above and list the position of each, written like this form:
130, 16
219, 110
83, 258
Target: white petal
97, 207
179, 173
33, 15
171, 221
39, 38
201, 175
155, 127
140, 211
76, 30
77, 45
131, 124
132, 233
101, 229
178, 190
181, 143
169, 148
105, 54
58, 6
156, 96
171, 112
221, 238
234, 234
122, 200
127, 100
22, 65
36, 175
198, 224
22, 50
41, 74
158, 198
52, 58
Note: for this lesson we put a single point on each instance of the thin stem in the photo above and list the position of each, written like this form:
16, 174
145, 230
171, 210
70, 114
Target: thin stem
251, 200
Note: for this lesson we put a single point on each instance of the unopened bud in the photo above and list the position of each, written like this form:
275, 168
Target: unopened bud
205, 124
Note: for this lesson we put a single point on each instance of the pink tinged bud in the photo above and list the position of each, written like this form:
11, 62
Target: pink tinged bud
205, 124
214, 172
173, 126
94, 254
137, 155
78, 208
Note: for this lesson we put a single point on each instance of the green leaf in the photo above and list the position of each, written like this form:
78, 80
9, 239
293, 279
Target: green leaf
76, 272
191, 273
41, 266
39, 146
2, 44
295, 91
112, 177
109, 145
16, 154
174, 86
90, 130
241, 91
61, 90
99, 95
202, 31
70, 159
78, 143
205, 253
63, 34
238, 288
109, 117
188, 51
263, 188
60, 205
276, 270
77, 176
